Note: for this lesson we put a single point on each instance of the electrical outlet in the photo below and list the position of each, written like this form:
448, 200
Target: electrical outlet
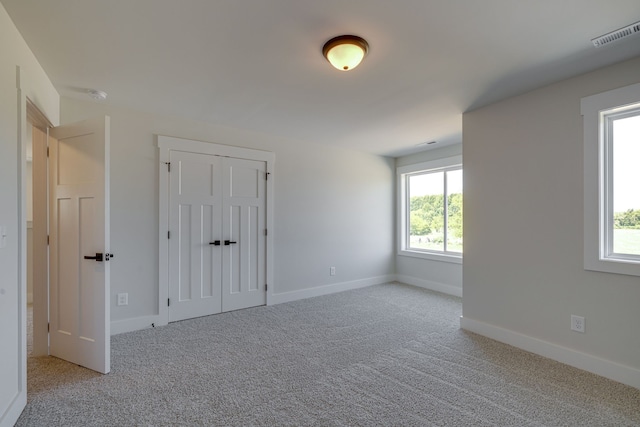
123, 299
577, 323
332, 271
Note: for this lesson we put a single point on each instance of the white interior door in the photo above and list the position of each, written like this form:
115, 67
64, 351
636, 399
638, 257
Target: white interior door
217, 245
195, 250
244, 224
79, 243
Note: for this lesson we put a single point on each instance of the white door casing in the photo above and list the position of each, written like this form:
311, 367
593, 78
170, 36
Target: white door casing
211, 192
79, 227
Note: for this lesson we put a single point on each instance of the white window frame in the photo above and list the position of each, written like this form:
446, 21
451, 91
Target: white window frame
402, 174
598, 112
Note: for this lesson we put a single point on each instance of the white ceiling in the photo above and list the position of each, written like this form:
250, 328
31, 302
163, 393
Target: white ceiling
257, 64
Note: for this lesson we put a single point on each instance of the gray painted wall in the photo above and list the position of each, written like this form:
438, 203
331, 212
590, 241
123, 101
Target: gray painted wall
333, 207
523, 224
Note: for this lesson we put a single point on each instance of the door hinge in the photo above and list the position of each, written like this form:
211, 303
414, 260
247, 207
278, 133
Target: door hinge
168, 166
266, 287
47, 240
168, 234
267, 176
48, 326
266, 232
168, 302
47, 151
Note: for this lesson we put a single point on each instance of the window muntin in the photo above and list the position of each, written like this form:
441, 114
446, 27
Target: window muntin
620, 141
430, 207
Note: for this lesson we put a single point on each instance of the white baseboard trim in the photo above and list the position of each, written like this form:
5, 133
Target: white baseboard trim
606, 368
134, 324
429, 284
15, 408
137, 323
329, 289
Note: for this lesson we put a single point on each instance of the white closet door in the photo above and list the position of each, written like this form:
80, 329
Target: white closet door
217, 246
195, 220
244, 205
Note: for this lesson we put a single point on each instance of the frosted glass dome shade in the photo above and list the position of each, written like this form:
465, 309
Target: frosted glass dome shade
345, 52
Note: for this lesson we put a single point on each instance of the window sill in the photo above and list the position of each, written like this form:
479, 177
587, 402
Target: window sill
629, 268
432, 256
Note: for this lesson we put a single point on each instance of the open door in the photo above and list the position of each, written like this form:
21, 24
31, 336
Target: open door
79, 244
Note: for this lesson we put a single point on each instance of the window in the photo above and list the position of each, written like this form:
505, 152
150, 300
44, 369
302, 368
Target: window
622, 180
430, 210
612, 200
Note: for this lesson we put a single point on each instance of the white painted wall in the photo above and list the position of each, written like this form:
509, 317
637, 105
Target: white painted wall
29, 263
436, 275
29, 171
29, 202
35, 84
333, 207
523, 231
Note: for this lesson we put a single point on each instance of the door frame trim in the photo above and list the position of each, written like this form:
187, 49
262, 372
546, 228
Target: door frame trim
166, 144
27, 110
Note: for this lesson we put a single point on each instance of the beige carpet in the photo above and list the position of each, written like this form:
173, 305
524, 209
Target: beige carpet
389, 355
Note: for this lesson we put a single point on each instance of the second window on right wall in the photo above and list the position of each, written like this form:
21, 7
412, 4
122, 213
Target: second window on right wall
622, 183
611, 123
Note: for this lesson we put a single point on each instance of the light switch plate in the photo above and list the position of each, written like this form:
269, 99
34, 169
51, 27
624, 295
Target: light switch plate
123, 299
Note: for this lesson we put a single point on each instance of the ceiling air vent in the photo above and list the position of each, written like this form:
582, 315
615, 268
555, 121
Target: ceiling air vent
617, 35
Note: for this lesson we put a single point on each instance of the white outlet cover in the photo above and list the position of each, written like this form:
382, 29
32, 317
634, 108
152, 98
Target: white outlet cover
577, 323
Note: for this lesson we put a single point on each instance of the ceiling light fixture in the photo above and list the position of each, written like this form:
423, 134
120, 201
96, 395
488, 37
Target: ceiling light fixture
98, 95
345, 52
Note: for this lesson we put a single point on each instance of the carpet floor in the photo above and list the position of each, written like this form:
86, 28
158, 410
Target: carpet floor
388, 355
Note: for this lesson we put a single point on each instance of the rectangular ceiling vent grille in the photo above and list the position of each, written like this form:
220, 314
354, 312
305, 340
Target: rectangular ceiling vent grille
617, 35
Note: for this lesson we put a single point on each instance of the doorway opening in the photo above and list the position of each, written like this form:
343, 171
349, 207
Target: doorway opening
66, 208
35, 194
